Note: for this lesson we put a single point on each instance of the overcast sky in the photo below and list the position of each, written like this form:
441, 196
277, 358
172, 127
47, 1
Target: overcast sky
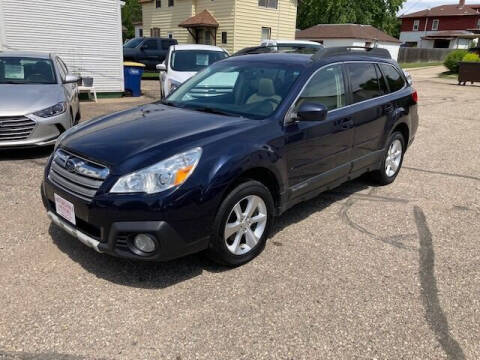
416, 5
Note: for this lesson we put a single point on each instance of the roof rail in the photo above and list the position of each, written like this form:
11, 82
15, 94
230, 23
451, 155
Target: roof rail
351, 50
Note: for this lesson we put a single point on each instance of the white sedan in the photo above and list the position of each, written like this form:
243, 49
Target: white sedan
184, 61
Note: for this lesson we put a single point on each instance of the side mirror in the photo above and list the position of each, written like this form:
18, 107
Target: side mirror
161, 67
71, 79
312, 112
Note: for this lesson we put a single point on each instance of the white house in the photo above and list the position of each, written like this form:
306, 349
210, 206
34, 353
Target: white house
86, 34
332, 35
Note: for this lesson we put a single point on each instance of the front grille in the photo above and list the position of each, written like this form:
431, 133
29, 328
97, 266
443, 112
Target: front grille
76, 176
122, 242
15, 128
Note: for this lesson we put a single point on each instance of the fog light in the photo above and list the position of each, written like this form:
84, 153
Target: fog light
144, 243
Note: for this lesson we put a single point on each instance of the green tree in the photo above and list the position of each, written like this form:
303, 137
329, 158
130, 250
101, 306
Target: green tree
131, 12
380, 13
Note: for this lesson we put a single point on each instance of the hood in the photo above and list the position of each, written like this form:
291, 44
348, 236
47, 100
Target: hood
139, 137
181, 76
18, 100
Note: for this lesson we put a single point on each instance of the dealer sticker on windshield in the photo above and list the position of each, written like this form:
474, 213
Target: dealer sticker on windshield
65, 209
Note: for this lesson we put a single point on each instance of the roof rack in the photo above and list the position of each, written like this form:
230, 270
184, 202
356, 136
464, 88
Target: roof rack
351, 50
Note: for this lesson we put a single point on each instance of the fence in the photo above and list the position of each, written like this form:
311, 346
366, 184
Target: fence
411, 55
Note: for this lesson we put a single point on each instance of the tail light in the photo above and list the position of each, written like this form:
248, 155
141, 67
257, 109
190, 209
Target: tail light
415, 96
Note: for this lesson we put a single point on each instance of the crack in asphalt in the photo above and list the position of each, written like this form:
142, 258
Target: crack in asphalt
443, 173
394, 240
434, 314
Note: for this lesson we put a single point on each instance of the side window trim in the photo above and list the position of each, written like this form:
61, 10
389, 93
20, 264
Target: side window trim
381, 79
348, 91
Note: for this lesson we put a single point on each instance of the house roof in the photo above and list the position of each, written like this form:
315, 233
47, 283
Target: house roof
446, 10
344, 31
451, 34
203, 18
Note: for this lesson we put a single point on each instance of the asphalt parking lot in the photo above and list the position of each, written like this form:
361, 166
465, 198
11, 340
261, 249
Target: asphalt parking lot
360, 272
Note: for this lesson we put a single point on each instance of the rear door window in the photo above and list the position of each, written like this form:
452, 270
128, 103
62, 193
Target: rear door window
151, 44
364, 81
393, 77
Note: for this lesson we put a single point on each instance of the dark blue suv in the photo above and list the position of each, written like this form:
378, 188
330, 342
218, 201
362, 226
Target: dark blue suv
238, 144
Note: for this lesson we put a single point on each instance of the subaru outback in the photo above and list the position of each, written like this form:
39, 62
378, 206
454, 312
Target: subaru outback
209, 167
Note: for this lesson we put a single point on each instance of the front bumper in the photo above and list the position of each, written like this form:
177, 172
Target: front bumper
111, 230
44, 133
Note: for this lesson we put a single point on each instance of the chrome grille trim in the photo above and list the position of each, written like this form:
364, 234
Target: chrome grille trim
15, 128
77, 176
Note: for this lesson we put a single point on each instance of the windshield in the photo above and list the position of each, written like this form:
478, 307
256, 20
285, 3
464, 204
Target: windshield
252, 90
133, 43
20, 70
195, 60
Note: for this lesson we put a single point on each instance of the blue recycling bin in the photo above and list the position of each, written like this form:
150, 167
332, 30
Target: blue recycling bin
132, 73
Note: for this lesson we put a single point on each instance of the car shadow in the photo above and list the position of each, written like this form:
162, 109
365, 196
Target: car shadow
26, 153
159, 275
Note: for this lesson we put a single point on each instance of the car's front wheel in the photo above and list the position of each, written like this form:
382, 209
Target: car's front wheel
242, 224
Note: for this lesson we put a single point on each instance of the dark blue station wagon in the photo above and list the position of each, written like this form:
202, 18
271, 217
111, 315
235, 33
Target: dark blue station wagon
236, 145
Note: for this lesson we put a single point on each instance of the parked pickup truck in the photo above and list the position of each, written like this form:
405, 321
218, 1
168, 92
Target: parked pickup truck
148, 51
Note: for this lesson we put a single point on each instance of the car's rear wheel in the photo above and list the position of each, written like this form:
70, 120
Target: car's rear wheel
242, 224
392, 160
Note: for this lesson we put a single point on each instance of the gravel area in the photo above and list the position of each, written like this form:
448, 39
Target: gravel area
360, 272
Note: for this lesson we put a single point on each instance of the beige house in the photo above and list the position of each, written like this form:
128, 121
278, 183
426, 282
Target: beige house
231, 24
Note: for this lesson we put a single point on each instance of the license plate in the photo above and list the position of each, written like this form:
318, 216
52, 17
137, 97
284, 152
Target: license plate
65, 209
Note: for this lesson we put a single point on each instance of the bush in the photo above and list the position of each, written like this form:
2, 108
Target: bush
471, 57
452, 60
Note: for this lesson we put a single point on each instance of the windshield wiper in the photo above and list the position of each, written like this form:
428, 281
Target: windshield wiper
168, 103
214, 111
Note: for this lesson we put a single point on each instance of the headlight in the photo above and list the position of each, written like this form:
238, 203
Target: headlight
57, 109
162, 176
172, 85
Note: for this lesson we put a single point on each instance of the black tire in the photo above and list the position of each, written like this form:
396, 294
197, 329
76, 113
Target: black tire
380, 176
218, 250
78, 117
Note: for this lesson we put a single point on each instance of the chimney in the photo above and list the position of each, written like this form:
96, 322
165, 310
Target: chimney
461, 4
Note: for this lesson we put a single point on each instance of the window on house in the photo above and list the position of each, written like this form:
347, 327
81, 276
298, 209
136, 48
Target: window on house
435, 24
224, 37
273, 4
155, 32
158, 3
478, 24
170, 35
266, 33
140, 32
170, 3
416, 25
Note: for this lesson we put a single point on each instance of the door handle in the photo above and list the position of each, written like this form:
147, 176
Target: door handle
347, 123
388, 108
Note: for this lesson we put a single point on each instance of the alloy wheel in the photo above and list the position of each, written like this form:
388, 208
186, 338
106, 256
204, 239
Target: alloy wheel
245, 225
394, 158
